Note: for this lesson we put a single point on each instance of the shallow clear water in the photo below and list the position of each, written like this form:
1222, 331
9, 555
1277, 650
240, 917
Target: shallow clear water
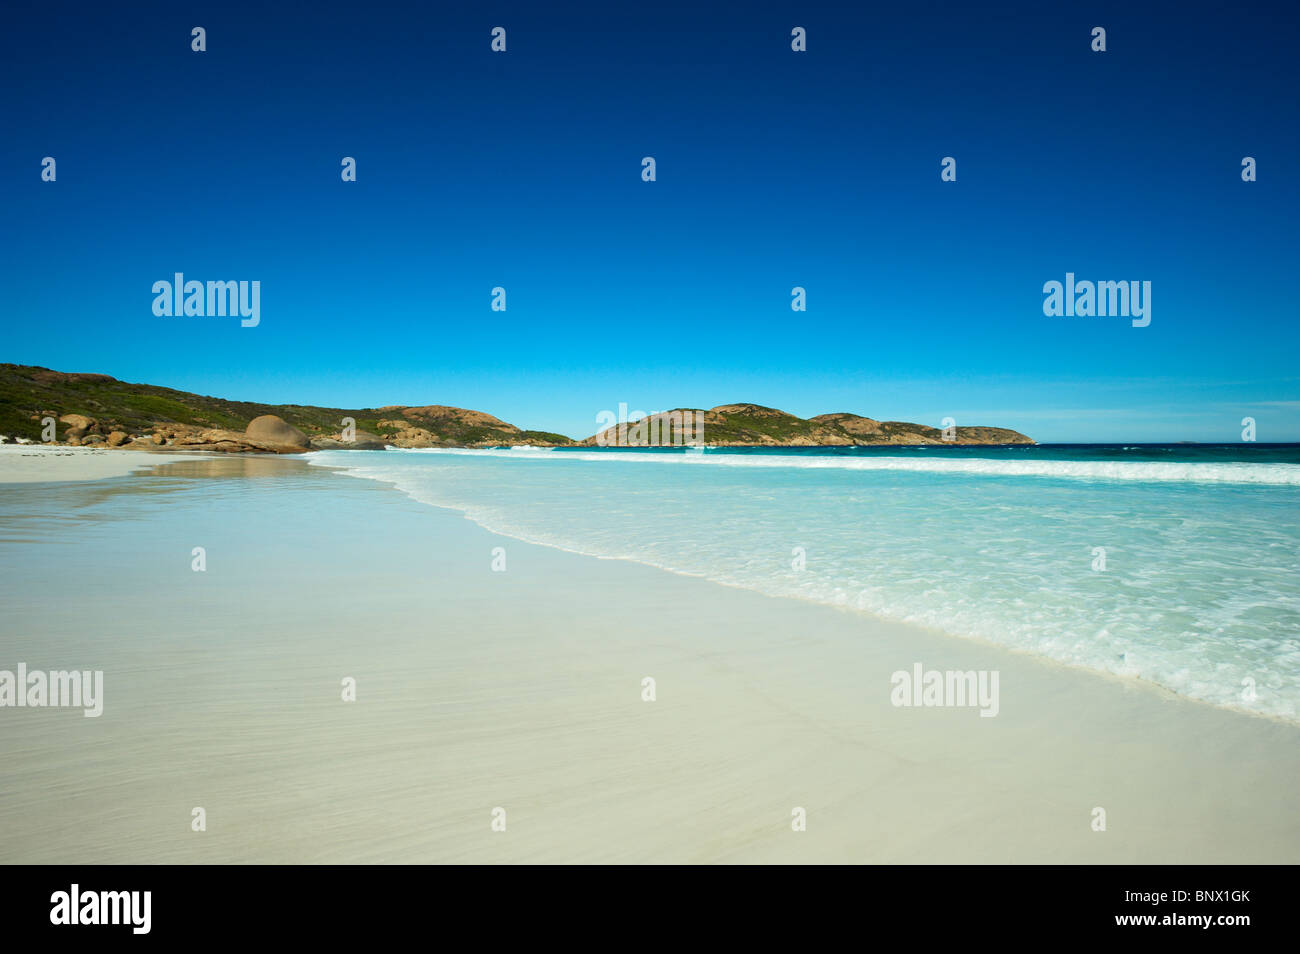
1199, 590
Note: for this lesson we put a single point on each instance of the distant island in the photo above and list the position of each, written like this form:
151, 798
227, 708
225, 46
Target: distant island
98, 410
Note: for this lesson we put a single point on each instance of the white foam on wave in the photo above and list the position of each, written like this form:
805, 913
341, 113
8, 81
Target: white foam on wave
1229, 472
1169, 617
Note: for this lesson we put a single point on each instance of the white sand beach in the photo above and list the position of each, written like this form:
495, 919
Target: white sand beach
42, 463
522, 690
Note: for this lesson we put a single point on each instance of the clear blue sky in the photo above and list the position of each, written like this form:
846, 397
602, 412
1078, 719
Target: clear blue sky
775, 169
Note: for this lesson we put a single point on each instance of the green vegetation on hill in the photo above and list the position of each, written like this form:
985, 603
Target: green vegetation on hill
755, 425
29, 393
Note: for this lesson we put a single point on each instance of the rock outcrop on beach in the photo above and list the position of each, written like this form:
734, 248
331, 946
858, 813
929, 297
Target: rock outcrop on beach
188, 438
276, 432
753, 425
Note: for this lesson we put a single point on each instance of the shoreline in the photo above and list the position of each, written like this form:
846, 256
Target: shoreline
1123, 679
523, 689
75, 464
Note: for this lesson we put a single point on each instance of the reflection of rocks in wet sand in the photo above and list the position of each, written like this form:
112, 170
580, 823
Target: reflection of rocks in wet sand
229, 465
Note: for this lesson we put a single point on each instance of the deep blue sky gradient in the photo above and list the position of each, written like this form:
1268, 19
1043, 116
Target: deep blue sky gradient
775, 169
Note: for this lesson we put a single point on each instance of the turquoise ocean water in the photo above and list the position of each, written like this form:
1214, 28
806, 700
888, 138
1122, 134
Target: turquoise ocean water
1199, 590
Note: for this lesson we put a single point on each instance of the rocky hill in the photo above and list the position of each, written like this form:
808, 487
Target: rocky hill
98, 409
753, 425
91, 408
